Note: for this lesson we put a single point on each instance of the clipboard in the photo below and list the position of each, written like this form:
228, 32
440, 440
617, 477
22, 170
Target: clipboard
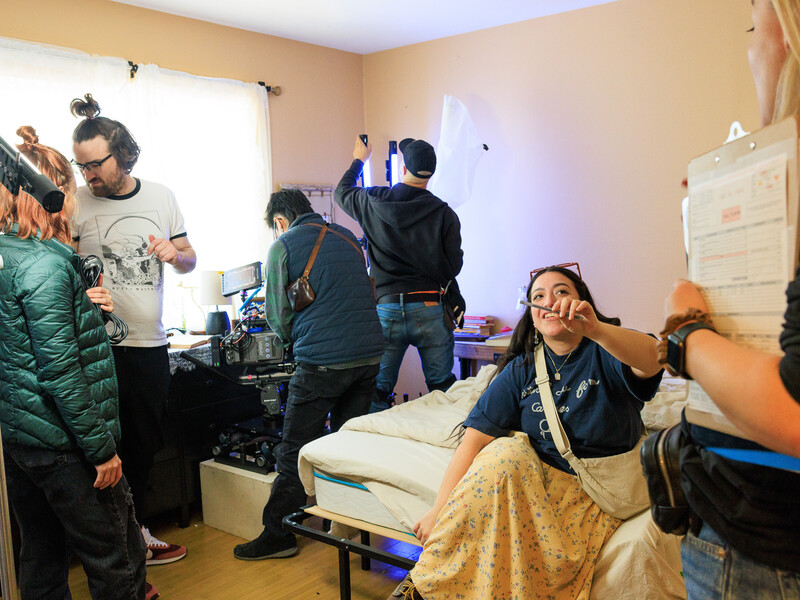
736, 165
781, 137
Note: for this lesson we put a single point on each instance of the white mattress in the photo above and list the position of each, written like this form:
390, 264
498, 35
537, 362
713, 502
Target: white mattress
350, 499
404, 475
386, 469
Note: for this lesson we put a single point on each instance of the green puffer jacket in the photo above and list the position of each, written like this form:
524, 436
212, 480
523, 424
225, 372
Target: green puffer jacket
58, 388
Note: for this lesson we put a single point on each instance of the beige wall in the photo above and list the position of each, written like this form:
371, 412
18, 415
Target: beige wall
322, 100
591, 118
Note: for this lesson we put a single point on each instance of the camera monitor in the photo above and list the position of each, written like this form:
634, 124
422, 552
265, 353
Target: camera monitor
241, 279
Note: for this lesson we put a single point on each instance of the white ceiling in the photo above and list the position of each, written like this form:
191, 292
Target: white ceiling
362, 26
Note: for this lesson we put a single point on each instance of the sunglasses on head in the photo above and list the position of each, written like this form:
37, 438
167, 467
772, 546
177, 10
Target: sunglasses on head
568, 265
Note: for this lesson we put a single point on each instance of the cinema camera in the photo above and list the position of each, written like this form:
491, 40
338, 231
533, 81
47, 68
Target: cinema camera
250, 342
252, 354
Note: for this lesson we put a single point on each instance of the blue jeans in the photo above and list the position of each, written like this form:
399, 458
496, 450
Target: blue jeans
715, 571
58, 510
314, 393
414, 324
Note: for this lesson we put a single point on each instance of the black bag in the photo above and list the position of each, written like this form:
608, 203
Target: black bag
660, 456
453, 305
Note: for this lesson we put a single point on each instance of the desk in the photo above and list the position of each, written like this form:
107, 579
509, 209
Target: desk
473, 355
199, 406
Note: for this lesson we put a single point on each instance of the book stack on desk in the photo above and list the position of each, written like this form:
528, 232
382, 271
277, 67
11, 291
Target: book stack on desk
476, 328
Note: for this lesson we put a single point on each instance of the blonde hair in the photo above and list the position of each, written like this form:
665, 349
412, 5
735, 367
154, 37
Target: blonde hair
25, 210
787, 96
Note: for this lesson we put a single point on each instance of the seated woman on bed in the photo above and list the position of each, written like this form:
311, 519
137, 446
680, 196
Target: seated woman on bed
511, 518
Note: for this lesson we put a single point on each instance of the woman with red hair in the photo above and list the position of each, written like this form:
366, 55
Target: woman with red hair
59, 408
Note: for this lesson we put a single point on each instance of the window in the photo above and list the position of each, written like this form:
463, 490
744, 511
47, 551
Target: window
206, 139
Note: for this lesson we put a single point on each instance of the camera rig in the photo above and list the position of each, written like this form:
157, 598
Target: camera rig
252, 355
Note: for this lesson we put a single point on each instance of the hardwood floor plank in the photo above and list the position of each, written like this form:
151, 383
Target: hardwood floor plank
210, 572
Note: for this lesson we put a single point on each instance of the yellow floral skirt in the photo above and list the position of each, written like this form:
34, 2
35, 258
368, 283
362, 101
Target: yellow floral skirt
513, 527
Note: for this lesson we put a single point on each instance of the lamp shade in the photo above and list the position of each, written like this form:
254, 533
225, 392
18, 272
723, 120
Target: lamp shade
210, 290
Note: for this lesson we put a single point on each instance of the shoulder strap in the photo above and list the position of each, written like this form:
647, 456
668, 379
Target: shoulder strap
315, 251
344, 237
546, 395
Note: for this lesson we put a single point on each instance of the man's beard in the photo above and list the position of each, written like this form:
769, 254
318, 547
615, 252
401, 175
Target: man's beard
107, 187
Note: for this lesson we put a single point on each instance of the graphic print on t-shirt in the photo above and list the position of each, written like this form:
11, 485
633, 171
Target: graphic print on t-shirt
537, 407
124, 240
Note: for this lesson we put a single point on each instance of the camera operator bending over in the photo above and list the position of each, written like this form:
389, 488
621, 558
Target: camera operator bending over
414, 250
337, 346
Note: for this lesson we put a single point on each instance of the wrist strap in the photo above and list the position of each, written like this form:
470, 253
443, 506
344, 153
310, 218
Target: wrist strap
675, 322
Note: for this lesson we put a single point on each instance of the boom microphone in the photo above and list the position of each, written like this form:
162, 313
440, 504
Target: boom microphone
17, 173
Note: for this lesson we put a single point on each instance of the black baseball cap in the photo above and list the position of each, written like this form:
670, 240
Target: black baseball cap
419, 157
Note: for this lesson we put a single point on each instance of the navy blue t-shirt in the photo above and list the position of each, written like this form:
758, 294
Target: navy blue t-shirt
598, 400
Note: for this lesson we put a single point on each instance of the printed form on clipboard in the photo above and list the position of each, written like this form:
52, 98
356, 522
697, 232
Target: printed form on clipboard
743, 244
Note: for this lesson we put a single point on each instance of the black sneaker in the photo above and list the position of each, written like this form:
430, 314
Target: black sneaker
266, 546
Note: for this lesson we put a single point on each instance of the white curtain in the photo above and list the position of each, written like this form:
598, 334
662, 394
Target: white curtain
206, 139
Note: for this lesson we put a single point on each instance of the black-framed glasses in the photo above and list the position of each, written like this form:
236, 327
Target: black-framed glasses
568, 265
92, 165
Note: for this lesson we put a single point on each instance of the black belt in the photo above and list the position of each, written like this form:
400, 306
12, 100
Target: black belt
408, 297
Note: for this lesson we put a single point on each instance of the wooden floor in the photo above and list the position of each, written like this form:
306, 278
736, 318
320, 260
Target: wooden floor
210, 572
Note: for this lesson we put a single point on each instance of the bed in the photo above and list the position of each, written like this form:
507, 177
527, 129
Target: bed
384, 471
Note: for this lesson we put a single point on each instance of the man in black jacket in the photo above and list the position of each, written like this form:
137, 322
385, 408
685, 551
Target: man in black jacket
414, 248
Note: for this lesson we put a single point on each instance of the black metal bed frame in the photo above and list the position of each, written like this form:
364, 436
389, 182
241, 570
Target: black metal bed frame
293, 523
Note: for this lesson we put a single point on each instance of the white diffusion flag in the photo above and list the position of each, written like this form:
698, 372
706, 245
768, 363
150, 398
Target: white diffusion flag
457, 156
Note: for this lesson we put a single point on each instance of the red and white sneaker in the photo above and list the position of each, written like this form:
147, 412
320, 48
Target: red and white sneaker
161, 553
150, 591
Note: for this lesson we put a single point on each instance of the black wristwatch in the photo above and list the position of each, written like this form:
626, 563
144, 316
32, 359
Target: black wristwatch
676, 347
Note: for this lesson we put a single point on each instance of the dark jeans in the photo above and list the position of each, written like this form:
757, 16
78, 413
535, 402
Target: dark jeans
313, 394
58, 510
143, 377
420, 325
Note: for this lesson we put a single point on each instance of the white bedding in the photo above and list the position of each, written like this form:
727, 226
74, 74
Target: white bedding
400, 456
383, 452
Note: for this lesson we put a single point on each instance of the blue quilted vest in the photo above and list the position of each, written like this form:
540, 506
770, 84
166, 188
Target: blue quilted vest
342, 324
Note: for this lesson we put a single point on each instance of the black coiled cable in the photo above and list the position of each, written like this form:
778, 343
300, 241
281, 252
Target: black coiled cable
238, 339
91, 270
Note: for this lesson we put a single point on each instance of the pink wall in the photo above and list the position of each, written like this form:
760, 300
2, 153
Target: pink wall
591, 118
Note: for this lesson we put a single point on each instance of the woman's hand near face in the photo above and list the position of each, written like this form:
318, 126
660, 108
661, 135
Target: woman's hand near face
577, 316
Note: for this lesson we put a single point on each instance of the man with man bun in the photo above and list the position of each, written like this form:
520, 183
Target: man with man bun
135, 227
